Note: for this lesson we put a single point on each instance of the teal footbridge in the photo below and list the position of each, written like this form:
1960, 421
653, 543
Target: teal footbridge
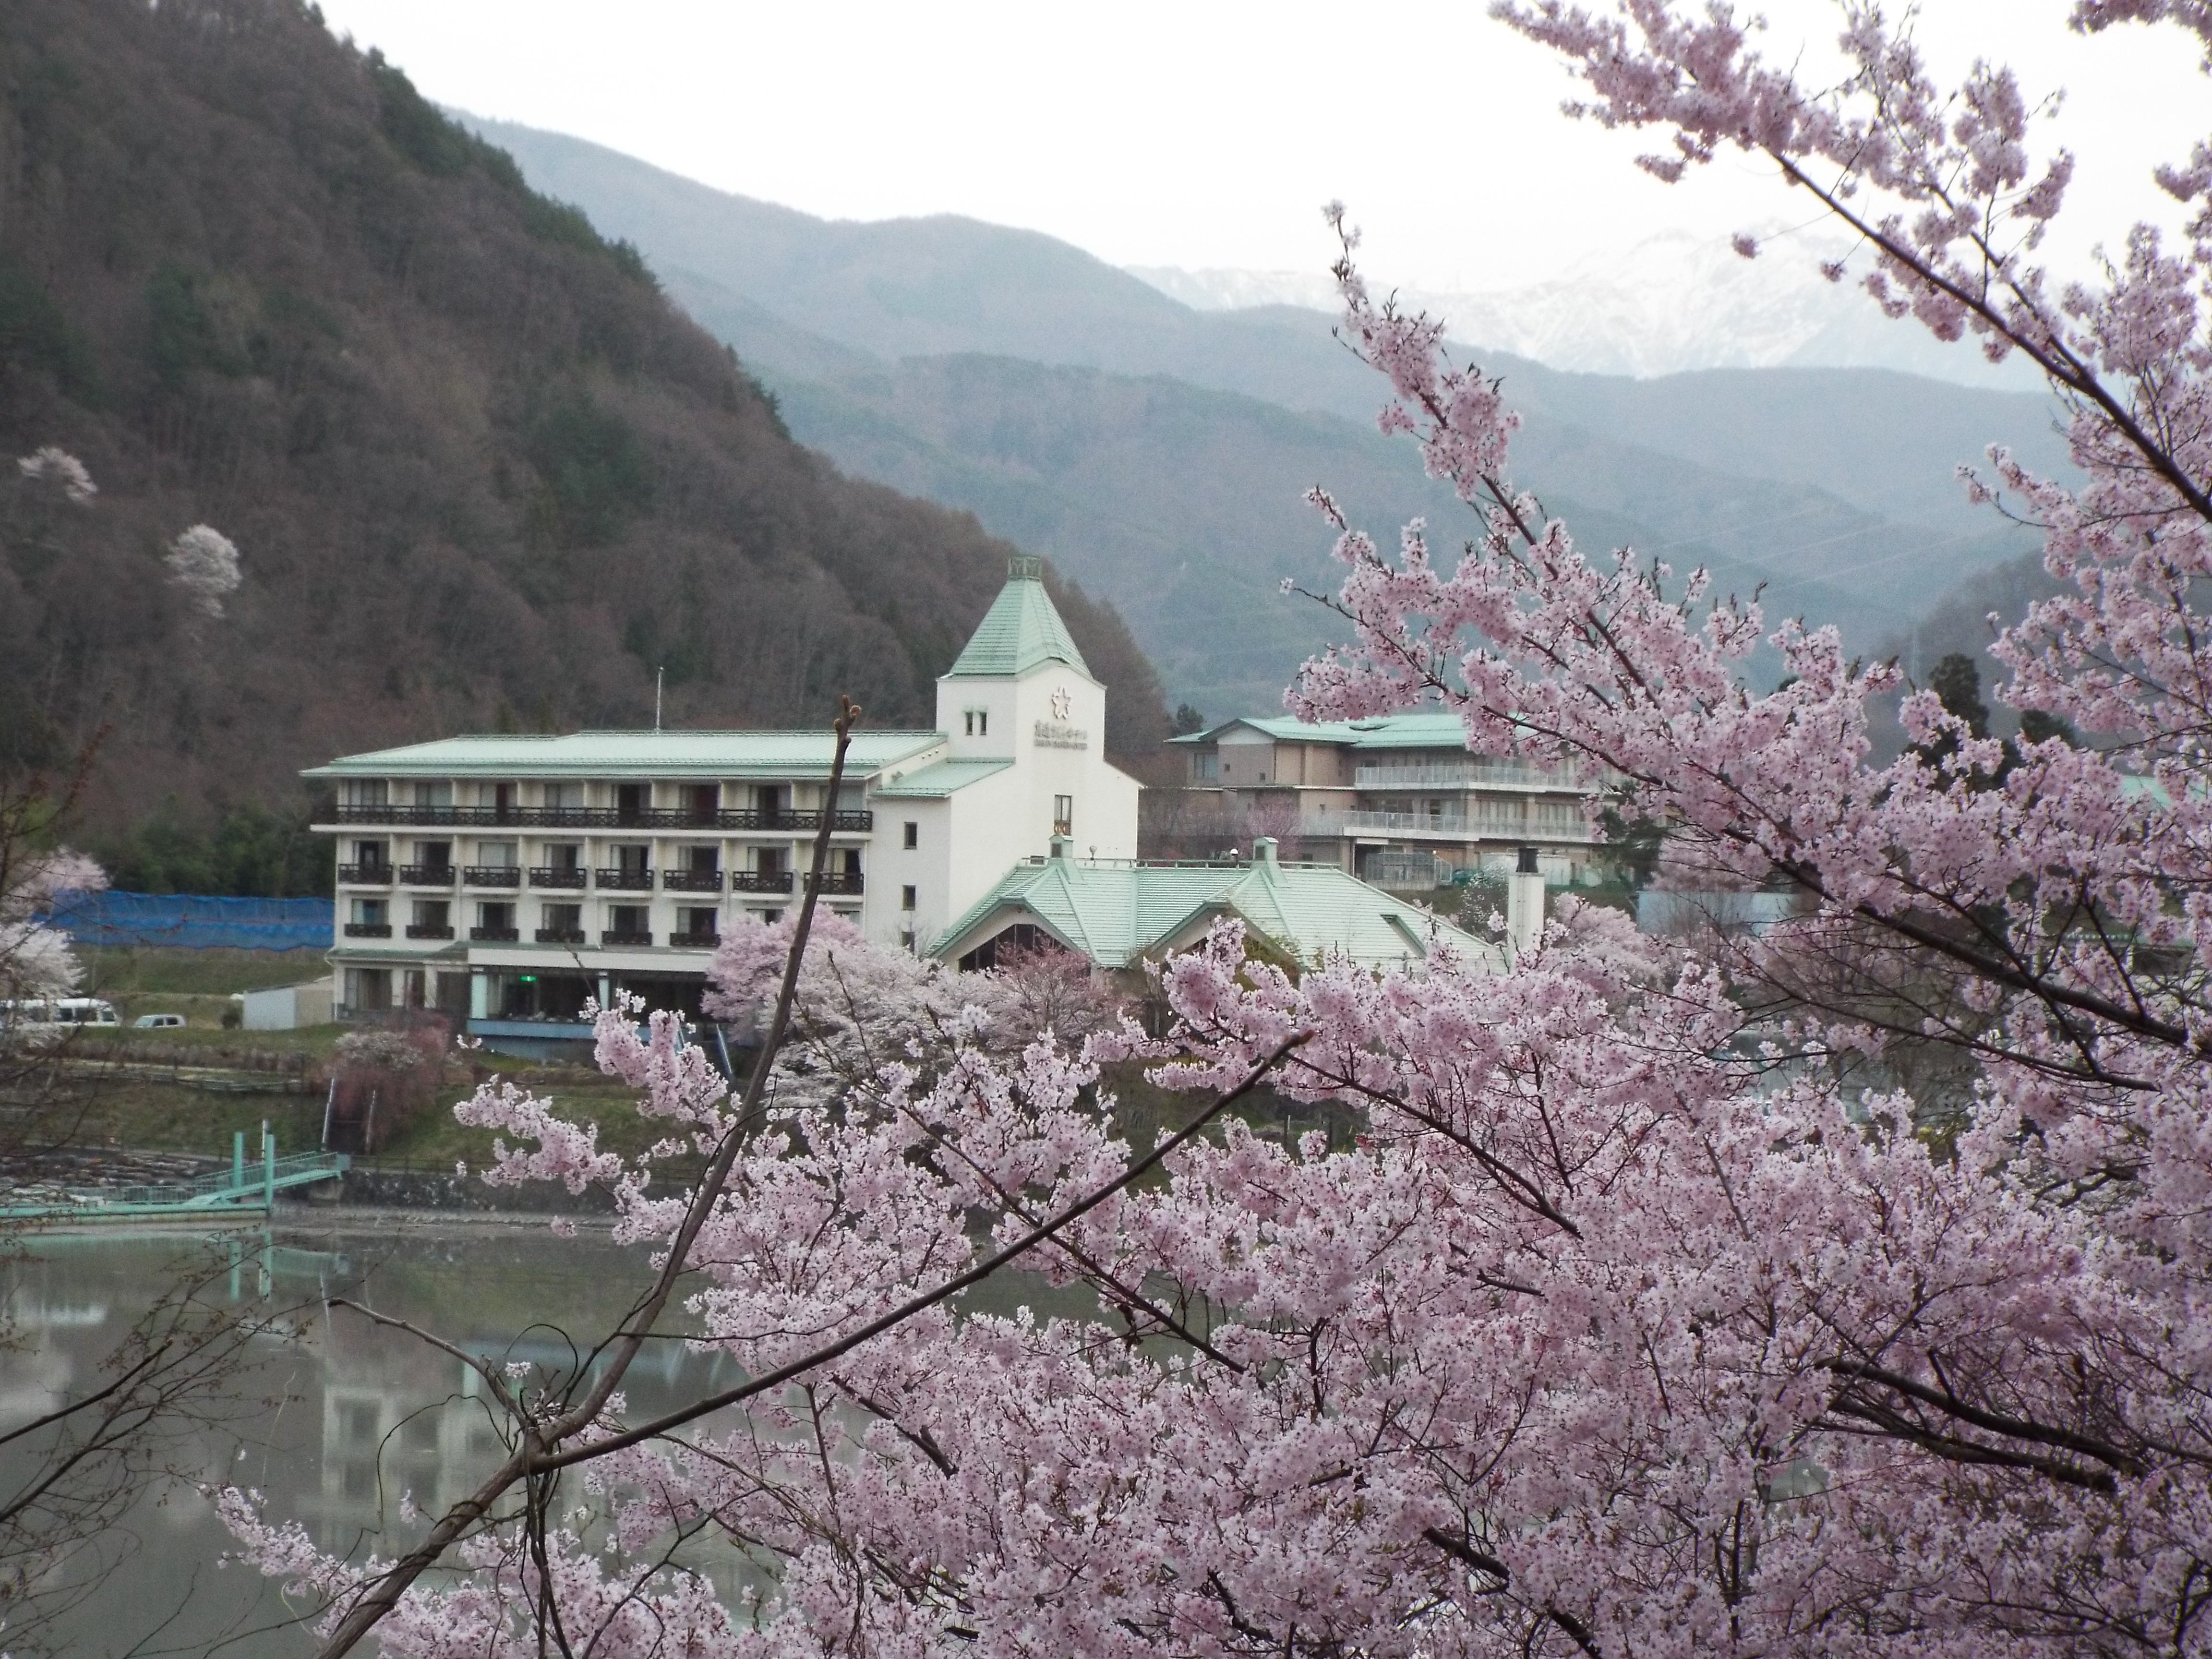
246, 1188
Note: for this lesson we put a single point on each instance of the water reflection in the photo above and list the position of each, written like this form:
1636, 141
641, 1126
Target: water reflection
359, 1414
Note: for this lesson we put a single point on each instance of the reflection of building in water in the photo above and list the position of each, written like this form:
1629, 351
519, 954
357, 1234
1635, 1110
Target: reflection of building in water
400, 1419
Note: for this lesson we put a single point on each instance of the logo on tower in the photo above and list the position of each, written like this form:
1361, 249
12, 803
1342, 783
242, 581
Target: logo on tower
1056, 732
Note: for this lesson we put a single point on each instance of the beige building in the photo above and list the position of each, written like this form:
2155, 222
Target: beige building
1396, 800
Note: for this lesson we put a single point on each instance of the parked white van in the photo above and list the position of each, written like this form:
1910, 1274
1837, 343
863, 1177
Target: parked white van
59, 1010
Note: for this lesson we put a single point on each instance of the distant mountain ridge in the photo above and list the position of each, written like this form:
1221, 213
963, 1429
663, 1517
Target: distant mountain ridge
1672, 304
1143, 444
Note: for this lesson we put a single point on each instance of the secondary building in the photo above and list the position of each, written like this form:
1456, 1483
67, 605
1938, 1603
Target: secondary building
504, 879
1397, 800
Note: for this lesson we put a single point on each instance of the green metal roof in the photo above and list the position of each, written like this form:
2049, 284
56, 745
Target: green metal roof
1436, 730
941, 779
1021, 629
641, 754
1120, 913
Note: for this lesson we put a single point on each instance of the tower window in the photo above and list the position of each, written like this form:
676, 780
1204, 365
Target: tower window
977, 722
907, 896
1063, 815
913, 832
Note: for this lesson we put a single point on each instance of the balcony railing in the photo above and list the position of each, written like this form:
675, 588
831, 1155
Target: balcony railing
562, 875
694, 941
624, 936
1471, 774
494, 935
760, 881
627, 881
560, 936
428, 930
606, 818
1562, 825
366, 875
427, 875
492, 875
839, 881
369, 930
692, 881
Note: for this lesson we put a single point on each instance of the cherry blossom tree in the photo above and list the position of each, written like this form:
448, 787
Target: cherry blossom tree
1650, 1312
54, 464
202, 563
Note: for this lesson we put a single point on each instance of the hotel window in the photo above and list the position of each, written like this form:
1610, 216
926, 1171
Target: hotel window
913, 833
907, 896
1063, 815
561, 924
439, 795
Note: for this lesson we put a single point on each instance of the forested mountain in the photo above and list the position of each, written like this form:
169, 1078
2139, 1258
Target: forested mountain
478, 471
1160, 452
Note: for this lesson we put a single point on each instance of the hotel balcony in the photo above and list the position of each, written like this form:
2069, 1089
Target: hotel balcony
691, 881
694, 941
627, 881
567, 875
424, 930
760, 881
604, 817
427, 875
1471, 774
369, 930
1567, 825
560, 936
839, 881
494, 935
492, 875
624, 936
366, 875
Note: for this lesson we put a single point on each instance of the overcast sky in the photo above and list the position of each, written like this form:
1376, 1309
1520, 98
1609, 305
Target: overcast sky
1206, 135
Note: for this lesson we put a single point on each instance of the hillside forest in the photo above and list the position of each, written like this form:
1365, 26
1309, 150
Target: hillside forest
477, 470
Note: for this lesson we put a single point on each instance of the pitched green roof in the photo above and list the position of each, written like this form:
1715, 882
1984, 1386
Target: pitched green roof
643, 753
941, 779
1021, 629
1429, 730
1119, 913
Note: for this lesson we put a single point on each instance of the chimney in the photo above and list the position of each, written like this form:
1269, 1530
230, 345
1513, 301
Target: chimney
1263, 851
1524, 904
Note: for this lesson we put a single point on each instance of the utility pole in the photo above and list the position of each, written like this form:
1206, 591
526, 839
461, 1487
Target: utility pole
657, 676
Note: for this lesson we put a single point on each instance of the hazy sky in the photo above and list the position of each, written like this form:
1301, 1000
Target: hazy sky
1200, 134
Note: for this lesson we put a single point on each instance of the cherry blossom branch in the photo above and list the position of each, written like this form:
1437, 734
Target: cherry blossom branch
905, 1310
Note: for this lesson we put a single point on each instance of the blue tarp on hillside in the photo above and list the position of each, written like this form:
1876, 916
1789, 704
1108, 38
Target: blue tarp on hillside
190, 922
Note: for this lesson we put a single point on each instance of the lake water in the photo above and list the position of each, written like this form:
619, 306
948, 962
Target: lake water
357, 1414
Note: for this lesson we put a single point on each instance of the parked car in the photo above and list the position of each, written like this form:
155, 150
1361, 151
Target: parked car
158, 1021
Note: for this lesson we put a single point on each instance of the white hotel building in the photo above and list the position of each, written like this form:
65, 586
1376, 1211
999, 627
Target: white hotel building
503, 880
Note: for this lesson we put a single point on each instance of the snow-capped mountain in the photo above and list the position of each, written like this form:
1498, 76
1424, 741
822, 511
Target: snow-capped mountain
1674, 302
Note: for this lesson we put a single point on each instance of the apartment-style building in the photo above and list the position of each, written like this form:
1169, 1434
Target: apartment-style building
1397, 800
505, 879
